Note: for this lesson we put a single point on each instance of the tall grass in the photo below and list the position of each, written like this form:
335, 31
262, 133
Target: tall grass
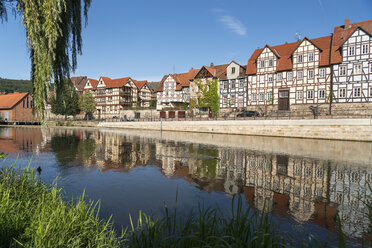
35, 215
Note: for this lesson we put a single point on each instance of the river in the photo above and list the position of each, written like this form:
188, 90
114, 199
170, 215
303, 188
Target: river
304, 183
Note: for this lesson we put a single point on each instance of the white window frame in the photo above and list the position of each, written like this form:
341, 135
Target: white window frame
310, 94
300, 73
357, 92
299, 94
271, 62
343, 70
279, 77
290, 76
270, 78
322, 72
311, 74
262, 79
262, 64
311, 56
365, 51
254, 97
321, 94
269, 96
300, 58
342, 92
357, 69
261, 97
254, 79
351, 51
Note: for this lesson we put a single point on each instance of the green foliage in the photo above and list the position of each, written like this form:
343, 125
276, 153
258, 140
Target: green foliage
11, 85
87, 103
65, 100
209, 95
53, 30
35, 215
153, 104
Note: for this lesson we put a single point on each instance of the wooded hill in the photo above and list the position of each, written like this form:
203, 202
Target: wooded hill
12, 85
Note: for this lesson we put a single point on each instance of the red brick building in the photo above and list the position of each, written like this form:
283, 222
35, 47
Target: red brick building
17, 107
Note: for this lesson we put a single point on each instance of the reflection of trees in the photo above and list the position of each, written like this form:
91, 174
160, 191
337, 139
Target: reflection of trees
65, 147
86, 148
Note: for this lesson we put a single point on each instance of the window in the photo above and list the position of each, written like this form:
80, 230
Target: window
290, 76
279, 77
300, 75
233, 100
262, 97
27, 102
357, 92
342, 92
351, 51
254, 97
358, 69
300, 58
270, 96
254, 80
262, 79
365, 49
262, 63
311, 57
310, 94
370, 91
232, 70
270, 77
224, 100
110, 99
311, 74
322, 72
241, 83
226, 85
271, 62
342, 70
299, 95
370, 67
24, 102
321, 94
232, 84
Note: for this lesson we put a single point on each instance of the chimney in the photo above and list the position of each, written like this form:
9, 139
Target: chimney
192, 68
347, 23
212, 65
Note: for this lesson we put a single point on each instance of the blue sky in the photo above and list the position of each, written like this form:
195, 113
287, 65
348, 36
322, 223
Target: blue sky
147, 39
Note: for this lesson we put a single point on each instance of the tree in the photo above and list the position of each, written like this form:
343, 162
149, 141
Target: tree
53, 30
87, 103
66, 100
209, 95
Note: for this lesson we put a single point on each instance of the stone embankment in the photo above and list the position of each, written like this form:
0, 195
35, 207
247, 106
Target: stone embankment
330, 129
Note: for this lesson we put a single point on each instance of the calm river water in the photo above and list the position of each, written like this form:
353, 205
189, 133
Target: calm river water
305, 183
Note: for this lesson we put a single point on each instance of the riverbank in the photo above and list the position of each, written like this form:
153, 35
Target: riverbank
325, 129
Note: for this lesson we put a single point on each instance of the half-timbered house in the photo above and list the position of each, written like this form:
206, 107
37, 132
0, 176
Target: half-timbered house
352, 62
290, 76
233, 87
174, 89
144, 93
203, 76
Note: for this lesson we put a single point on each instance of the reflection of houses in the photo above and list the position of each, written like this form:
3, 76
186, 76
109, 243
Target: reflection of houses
14, 140
349, 188
231, 167
275, 177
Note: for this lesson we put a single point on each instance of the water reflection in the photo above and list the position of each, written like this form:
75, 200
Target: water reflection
306, 188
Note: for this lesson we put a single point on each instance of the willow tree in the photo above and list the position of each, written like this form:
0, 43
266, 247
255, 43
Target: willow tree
53, 31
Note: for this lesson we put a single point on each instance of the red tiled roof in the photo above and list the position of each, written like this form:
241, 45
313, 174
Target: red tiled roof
340, 35
285, 52
140, 84
114, 83
215, 70
93, 82
8, 101
182, 79
79, 82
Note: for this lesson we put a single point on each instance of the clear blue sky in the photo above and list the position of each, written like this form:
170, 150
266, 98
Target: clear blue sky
145, 39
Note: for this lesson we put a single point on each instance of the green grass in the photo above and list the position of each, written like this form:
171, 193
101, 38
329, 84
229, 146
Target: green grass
33, 214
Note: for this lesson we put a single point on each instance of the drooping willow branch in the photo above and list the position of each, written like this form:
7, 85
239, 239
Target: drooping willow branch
53, 29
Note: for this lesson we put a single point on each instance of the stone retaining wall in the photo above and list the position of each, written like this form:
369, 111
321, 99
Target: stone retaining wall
333, 129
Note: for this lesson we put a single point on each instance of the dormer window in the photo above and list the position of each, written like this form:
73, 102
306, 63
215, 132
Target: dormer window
311, 57
352, 51
300, 58
262, 63
233, 70
271, 62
